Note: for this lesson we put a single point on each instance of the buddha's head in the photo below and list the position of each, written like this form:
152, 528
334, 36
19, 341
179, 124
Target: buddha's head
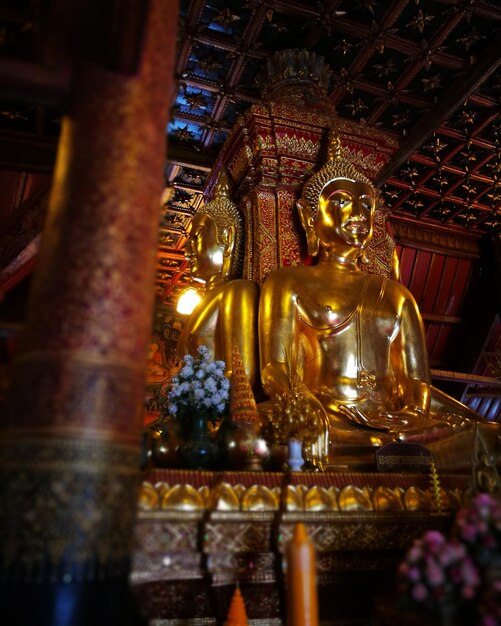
337, 205
214, 247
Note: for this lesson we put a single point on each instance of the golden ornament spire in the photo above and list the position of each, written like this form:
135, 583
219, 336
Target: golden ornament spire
243, 408
334, 150
237, 615
222, 187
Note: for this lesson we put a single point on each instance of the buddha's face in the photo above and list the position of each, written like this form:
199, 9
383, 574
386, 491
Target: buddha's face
345, 213
203, 253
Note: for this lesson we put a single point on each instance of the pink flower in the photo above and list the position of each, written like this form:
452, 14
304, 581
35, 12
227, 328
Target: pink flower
468, 593
414, 574
483, 499
448, 555
434, 573
415, 553
434, 539
470, 574
419, 592
469, 532
455, 575
458, 550
489, 620
482, 527
403, 569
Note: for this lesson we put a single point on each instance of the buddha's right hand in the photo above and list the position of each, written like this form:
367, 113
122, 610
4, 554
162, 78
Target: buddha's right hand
317, 452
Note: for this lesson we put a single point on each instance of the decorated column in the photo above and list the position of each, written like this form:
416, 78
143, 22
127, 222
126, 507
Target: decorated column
70, 438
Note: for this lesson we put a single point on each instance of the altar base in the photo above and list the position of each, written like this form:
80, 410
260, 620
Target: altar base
201, 533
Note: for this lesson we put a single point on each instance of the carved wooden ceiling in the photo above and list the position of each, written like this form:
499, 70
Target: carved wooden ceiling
427, 71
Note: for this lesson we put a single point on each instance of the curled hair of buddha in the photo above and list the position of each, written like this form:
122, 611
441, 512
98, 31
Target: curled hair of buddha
337, 166
224, 212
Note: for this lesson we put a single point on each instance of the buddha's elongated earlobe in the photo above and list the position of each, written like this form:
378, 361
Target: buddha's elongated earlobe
228, 238
307, 224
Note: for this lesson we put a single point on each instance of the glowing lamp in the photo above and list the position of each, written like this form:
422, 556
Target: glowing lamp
188, 301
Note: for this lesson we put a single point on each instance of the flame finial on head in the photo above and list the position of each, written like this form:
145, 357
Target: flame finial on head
334, 149
222, 187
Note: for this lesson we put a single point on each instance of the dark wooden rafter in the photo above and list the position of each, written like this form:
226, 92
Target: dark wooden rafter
29, 82
187, 157
488, 62
233, 77
415, 67
460, 173
27, 153
363, 57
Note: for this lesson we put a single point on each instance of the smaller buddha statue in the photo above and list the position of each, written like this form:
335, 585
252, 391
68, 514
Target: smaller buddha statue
358, 338
225, 321
228, 309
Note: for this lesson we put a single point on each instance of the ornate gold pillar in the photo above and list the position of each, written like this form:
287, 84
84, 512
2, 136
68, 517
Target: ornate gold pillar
70, 437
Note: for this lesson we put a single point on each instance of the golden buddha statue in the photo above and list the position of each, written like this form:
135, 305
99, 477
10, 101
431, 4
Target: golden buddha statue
225, 320
357, 338
228, 309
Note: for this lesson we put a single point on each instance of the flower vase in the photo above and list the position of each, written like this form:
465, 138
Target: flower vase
295, 460
198, 451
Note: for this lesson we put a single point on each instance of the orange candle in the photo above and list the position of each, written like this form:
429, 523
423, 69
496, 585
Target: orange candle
302, 599
237, 615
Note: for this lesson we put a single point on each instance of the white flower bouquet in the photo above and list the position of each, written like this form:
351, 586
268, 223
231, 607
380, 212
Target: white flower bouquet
200, 387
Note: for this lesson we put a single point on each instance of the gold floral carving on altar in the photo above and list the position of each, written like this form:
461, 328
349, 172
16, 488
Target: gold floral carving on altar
330, 564
299, 146
264, 142
295, 169
358, 532
183, 565
225, 497
235, 533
